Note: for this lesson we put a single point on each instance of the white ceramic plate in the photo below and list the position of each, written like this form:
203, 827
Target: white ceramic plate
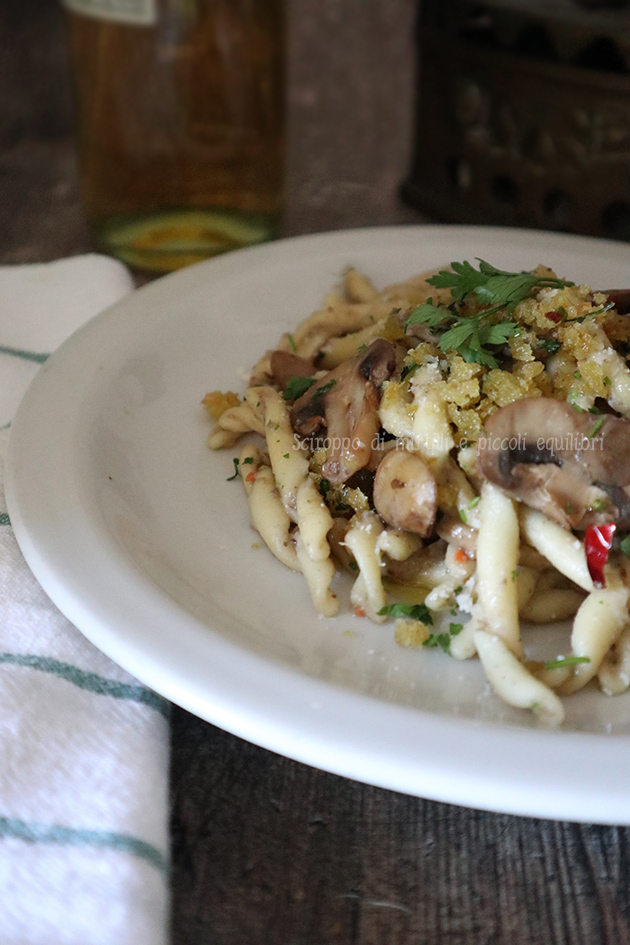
128, 522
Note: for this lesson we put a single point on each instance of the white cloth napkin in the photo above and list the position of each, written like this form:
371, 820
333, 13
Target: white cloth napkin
83, 746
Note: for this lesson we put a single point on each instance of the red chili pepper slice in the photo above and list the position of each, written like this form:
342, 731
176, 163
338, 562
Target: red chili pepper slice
554, 316
597, 544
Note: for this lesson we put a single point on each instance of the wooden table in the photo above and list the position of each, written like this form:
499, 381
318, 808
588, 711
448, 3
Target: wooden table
267, 851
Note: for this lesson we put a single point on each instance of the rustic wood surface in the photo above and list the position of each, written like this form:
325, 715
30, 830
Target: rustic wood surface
267, 851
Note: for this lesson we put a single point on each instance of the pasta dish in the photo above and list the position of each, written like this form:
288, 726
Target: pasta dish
460, 445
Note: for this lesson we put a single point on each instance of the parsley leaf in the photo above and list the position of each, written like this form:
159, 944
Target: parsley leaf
506, 288
463, 280
407, 611
324, 388
409, 369
492, 286
496, 292
566, 661
552, 346
296, 386
442, 640
457, 336
598, 311
497, 334
469, 336
470, 339
231, 478
428, 314
596, 428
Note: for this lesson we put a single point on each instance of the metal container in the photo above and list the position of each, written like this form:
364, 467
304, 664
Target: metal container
523, 115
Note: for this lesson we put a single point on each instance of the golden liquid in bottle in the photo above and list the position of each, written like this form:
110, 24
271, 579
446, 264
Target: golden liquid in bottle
181, 130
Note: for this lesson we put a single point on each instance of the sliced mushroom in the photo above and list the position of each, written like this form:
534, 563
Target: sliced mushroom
344, 406
569, 464
425, 568
405, 492
285, 365
454, 531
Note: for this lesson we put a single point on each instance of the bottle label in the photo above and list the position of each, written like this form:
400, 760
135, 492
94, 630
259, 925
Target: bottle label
140, 12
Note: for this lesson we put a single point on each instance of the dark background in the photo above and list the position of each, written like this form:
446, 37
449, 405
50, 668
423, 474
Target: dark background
267, 851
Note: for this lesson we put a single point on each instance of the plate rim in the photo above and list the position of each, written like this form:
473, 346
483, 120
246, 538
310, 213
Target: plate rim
306, 742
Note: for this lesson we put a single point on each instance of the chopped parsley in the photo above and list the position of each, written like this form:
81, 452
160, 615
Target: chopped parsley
409, 369
467, 335
492, 286
429, 314
296, 386
471, 339
596, 428
292, 343
324, 487
473, 336
572, 398
230, 478
474, 502
598, 311
550, 345
566, 661
624, 544
600, 504
248, 460
422, 613
443, 640
407, 612
324, 388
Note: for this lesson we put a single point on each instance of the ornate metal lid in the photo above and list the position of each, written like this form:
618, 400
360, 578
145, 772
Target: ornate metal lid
523, 115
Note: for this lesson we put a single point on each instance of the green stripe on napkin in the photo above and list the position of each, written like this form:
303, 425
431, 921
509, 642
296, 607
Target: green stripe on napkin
73, 837
90, 681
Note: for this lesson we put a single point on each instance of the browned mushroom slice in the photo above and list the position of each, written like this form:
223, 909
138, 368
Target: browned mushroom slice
285, 365
344, 403
405, 492
455, 532
424, 568
569, 464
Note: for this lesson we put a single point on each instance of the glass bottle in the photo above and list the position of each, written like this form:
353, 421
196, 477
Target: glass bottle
181, 124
